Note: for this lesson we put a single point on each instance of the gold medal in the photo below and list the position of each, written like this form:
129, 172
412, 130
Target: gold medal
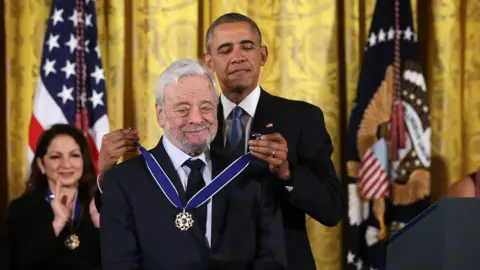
184, 221
72, 242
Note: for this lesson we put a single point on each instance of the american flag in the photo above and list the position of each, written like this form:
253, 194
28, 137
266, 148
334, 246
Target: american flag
373, 177
71, 86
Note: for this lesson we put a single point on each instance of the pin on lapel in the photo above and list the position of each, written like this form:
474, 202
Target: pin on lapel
269, 125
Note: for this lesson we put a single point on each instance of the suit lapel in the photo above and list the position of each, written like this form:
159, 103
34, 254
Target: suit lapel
218, 140
264, 114
164, 160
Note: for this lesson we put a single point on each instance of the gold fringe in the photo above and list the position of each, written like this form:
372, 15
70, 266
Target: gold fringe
379, 211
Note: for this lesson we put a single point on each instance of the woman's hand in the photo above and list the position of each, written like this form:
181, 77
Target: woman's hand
59, 207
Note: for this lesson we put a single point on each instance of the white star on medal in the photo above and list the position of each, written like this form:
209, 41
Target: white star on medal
184, 221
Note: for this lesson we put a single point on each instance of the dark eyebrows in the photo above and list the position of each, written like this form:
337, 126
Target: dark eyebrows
247, 41
58, 153
228, 44
223, 45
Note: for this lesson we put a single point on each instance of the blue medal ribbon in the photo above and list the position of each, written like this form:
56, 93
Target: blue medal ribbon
203, 195
76, 208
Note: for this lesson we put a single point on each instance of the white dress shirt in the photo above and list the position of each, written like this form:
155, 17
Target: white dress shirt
178, 158
249, 105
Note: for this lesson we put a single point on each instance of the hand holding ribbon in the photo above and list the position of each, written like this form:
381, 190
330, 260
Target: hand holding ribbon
273, 149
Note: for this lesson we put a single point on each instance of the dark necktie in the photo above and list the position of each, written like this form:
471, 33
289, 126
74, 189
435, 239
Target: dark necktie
235, 144
195, 183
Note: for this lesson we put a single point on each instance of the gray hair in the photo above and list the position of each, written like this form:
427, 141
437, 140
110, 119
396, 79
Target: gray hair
231, 18
179, 69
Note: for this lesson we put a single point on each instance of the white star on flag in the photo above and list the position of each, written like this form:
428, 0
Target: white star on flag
381, 36
391, 33
75, 18
57, 16
372, 40
66, 94
96, 99
350, 257
88, 20
72, 43
49, 67
86, 46
69, 69
98, 74
359, 264
408, 34
97, 50
53, 42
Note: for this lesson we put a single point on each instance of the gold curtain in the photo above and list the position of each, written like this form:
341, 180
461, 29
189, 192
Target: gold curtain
315, 55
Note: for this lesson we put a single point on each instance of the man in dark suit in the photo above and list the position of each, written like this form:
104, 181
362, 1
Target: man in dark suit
183, 205
295, 146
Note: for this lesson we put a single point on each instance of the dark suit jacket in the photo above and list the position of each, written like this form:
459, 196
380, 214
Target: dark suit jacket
316, 188
4, 250
33, 243
138, 231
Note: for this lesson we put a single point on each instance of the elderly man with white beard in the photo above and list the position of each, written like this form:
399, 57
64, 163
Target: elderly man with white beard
189, 206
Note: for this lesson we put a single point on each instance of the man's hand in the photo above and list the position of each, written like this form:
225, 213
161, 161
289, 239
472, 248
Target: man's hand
273, 149
94, 215
114, 145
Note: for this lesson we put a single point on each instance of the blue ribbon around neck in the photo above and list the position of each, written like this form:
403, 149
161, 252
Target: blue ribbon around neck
203, 195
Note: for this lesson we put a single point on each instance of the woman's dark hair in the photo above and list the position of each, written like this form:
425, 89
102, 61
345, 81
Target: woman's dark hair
37, 182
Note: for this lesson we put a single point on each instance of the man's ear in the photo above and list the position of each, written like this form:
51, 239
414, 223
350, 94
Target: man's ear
207, 61
160, 115
264, 53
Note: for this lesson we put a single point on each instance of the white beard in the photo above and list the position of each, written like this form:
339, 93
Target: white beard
183, 143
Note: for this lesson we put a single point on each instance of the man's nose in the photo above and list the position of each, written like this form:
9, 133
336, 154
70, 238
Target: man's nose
195, 116
238, 56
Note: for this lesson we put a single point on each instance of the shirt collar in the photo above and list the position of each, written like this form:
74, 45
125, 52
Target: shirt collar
249, 104
178, 157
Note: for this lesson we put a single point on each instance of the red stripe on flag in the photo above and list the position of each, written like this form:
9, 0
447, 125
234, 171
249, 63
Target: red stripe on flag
371, 169
93, 151
365, 179
34, 132
373, 179
366, 158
